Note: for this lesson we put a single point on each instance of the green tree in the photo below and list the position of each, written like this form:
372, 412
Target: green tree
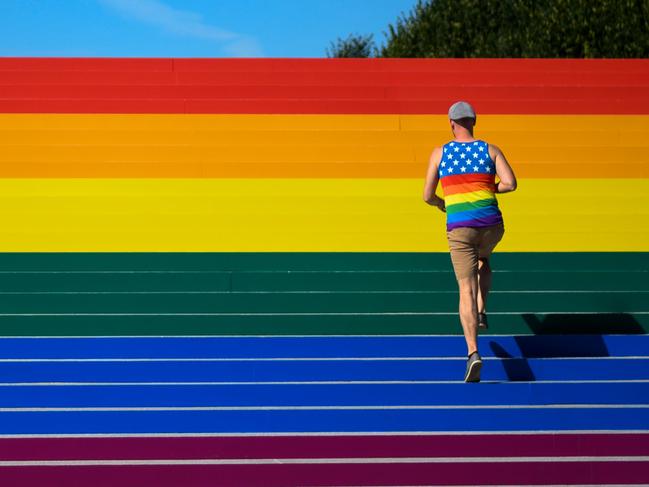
353, 46
520, 28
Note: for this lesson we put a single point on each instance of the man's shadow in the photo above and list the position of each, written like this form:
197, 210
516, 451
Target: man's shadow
587, 329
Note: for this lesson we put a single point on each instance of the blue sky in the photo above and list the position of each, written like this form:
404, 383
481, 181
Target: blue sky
188, 28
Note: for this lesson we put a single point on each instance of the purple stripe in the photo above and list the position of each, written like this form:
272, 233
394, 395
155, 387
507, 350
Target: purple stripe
381, 474
367, 446
477, 223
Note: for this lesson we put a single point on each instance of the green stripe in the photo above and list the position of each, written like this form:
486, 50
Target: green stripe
328, 261
526, 324
279, 281
458, 207
313, 293
315, 302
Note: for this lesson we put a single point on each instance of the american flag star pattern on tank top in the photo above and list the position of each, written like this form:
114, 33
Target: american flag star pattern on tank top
468, 178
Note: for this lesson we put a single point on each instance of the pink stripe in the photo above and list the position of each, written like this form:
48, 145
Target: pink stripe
16, 449
331, 474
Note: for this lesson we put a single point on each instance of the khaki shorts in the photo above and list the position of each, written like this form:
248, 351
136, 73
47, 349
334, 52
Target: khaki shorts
469, 244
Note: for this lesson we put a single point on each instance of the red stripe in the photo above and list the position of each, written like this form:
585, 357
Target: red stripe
324, 446
468, 179
366, 107
466, 188
467, 183
327, 92
538, 66
373, 86
523, 473
414, 84
81, 63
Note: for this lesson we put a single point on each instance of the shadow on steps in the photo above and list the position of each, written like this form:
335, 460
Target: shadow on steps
586, 328
583, 323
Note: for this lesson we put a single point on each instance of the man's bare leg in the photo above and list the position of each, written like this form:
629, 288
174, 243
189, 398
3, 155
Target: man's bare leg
484, 283
469, 311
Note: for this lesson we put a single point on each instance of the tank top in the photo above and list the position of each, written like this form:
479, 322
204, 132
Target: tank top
468, 178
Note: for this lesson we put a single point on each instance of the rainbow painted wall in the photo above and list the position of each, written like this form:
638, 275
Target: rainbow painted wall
222, 272
306, 155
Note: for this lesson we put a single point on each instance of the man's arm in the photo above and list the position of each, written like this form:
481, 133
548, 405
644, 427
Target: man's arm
432, 179
504, 171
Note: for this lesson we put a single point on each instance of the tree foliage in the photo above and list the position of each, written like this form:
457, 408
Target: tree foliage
354, 45
521, 28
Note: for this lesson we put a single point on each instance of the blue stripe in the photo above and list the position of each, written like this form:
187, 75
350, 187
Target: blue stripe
339, 370
323, 421
317, 346
449, 394
476, 214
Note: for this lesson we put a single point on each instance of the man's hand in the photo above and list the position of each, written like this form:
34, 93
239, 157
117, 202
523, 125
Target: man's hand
441, 205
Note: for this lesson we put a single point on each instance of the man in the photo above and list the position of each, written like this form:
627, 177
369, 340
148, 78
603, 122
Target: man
467, 169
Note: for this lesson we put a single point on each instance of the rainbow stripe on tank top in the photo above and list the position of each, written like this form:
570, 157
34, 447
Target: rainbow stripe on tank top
468, 178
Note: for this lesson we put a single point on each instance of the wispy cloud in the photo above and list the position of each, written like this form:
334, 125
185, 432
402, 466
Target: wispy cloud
186, 23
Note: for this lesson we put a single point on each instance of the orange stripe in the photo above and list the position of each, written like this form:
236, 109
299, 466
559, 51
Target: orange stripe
306, 146
467, 188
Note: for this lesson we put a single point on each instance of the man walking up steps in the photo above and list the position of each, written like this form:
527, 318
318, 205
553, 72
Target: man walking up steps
467, 168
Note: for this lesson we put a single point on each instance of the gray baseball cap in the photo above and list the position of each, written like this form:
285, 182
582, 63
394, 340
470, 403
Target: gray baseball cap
461, 109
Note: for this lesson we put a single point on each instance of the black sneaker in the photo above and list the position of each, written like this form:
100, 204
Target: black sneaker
482, 321
473, 367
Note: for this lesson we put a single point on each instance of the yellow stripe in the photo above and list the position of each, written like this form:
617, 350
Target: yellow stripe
306, 215
470, 197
